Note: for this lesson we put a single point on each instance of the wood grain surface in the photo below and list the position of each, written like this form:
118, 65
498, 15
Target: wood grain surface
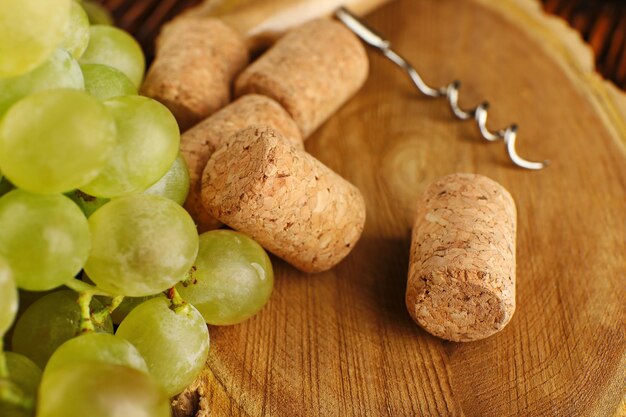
341, 343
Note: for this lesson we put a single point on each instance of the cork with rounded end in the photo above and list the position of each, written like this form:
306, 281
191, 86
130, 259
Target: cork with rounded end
196, 61
198, 143
311, 72
461, 283
284, 198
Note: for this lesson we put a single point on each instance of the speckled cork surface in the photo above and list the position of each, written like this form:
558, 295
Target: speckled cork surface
461, 284
311, 72
284, 198
196, 61
193, 400
198, 143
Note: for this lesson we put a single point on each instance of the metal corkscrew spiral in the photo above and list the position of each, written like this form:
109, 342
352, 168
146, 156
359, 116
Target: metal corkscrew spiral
450, 91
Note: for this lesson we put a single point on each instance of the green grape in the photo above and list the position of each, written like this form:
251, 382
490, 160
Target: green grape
30, 30
8, 298
48, 323
114, 47
96, 347
87, 203
141, 245
147, 145
28, 298
23, 372
24, 378
233, 278
104, 82
174, 345
76, 37
174, 184
55, 141
61, 70
100, 390
45, 239
98, 14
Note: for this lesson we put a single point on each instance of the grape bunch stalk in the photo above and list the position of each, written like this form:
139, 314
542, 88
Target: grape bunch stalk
106, 288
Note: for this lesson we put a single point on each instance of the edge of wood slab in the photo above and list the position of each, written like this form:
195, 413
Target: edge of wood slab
576, 59
573, 54
261, 22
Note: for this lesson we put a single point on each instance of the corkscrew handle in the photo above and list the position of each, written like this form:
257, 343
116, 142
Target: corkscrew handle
450, 91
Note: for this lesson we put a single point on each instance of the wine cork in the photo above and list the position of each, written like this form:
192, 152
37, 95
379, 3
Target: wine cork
284, 198
311, 72
198, 143
461, 284
196, 61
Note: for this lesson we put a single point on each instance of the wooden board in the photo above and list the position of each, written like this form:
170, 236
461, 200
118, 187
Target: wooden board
341, 343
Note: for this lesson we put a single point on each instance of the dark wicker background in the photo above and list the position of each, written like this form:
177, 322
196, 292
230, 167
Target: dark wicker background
602, 24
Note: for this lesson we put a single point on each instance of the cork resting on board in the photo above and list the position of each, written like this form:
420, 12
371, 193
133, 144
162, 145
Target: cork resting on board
311, 72
461, 284
284, 198
196, 60
198, 143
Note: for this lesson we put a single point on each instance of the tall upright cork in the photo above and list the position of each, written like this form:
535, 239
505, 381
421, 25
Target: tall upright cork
198, 143
461, 283
284, 198
311, 72
196, 60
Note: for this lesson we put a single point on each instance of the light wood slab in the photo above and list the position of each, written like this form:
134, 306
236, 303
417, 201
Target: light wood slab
342, 343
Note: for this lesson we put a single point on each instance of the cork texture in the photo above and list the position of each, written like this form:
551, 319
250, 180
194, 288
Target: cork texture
461, 283
193, 401
196, 61
198, 143
311, 72
284, 198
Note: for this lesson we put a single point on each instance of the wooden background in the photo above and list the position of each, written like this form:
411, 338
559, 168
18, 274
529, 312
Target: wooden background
341, 343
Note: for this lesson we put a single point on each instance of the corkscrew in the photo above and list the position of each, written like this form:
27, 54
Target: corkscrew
450, 92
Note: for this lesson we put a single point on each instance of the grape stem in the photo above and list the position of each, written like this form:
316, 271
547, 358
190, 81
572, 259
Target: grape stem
100, 316
81, 286
84, 302
178, 305
11, 394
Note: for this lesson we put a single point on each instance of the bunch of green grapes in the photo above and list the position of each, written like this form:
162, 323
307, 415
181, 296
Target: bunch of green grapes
91, 193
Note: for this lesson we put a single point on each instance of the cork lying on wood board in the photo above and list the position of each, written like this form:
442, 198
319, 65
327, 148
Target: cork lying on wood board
195, 63
198, 143
342, 343
461, 284
262, 185
311, 72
